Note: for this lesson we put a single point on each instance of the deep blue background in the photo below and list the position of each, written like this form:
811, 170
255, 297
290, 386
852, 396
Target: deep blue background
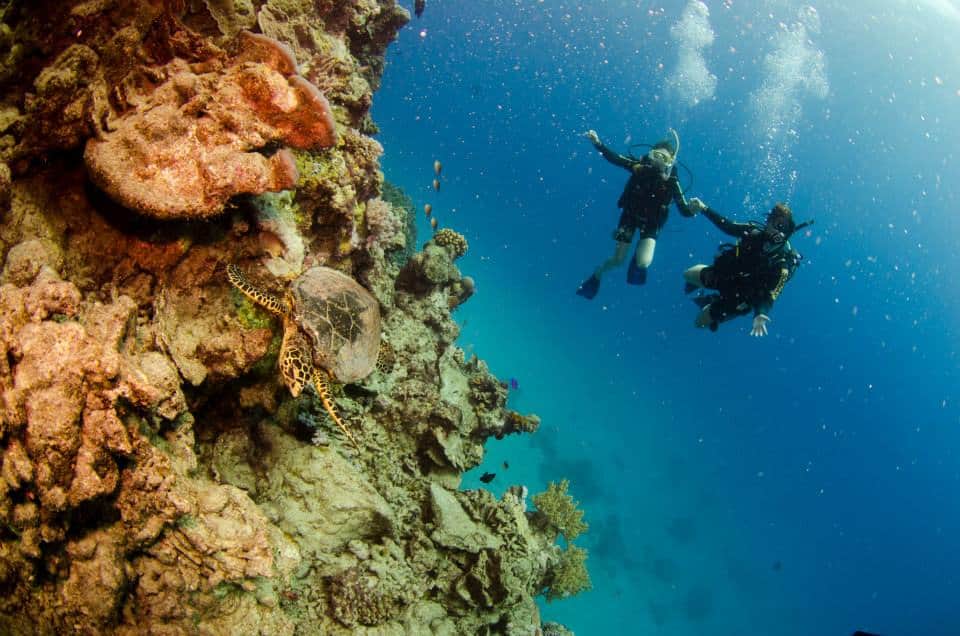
805, 483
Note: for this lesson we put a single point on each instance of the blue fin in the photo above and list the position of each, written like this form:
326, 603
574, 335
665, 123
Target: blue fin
589, 288
636, 275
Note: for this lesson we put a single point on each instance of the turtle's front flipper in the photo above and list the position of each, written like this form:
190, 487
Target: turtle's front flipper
260, 297
296, 367
321, 382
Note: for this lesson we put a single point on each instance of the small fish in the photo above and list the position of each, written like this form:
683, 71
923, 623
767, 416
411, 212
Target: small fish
514, 384
436, 185
418, 7
427, 209
437, 167
433, 223
487, 477
506, 464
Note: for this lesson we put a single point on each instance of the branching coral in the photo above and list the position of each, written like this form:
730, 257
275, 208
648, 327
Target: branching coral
570, 575
558, 510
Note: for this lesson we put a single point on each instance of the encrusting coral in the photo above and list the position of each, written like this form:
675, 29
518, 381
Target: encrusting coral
155, 474
184, 147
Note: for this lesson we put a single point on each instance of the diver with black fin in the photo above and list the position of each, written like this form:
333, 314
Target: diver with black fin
645, 203
748, 275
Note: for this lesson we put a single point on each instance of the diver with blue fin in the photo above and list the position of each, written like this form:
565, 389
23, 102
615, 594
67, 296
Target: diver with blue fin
748, 275
645, 203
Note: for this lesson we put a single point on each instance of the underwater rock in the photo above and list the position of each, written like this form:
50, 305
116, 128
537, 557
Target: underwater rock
192, 325
319, 498
280, 236
5, 181
232, 16
454, 528
189, 144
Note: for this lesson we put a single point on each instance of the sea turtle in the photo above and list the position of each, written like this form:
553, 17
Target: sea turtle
331, 329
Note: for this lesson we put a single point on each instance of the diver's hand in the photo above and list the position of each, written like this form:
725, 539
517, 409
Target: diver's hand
593, 137
695, 205
760, 325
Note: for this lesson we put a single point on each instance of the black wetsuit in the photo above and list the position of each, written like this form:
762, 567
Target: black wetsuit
646, 197
746, 276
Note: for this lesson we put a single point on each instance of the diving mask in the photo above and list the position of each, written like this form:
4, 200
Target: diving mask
662, 160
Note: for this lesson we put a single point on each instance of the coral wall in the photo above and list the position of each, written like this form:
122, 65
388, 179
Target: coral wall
156, 475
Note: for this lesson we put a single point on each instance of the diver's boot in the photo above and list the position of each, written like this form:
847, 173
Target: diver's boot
636, 275
589, 288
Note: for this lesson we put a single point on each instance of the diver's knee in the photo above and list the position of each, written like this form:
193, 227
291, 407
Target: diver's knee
619, 254
645, 250
692, 275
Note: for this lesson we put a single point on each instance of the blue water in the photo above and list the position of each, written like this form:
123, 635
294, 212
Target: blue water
805, 483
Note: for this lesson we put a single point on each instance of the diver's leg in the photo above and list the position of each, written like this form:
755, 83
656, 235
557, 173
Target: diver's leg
642, 258
619, 255
645, 249
692, 278
623, 236
589, 288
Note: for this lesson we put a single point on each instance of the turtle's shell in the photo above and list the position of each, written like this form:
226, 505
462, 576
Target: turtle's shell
341, 318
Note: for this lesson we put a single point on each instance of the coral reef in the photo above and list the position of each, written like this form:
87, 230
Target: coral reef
156, 475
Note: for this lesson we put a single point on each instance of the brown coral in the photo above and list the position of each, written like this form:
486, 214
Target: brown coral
357, 599
191, 143
452, 241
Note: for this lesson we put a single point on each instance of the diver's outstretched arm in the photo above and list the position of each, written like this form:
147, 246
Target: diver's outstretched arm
613, 157
726, 225
685, 207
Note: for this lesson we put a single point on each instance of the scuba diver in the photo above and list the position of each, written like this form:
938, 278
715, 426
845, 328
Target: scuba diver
645, 203
749, 275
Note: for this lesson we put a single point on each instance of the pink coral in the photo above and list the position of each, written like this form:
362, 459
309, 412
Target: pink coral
190, 143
